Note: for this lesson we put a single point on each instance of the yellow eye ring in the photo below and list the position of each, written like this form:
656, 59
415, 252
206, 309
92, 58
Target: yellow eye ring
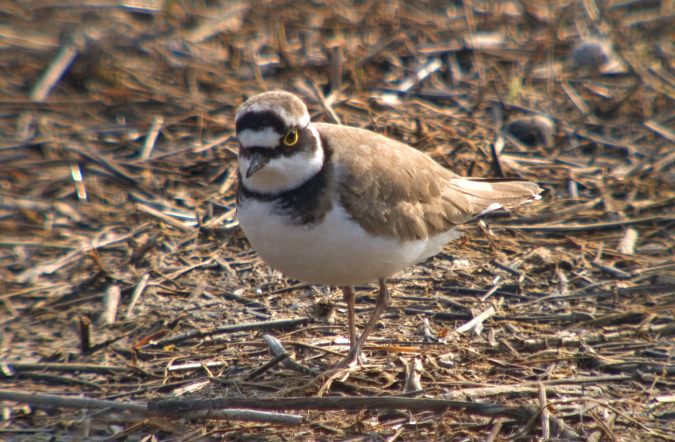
291, 138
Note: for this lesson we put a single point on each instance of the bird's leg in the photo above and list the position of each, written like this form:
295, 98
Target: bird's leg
380, 304
348, 295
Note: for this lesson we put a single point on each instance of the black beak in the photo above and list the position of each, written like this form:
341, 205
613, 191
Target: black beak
258, 161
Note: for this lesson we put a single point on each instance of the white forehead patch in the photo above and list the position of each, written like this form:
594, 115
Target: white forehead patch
267, 137
288, 119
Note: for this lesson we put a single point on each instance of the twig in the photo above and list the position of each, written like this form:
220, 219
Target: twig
166, 218
242, 300
136, 295
50, 400
325, 103
521, 413
588, 339
426, 331
53, 379
186, 269
530, 388
661, 130
80, 188
476, 323
476, 292
511, 270
54, 366
84, 324
228, 16
266, 325
111, 301
106, 163
617, 273
55, 71
497, 283
413, 374
278, 350
195, 366
628, 240
103, 240
267, 365
621, 291
494, 431
424, 72
452, 303
566, 228
545, 426
151, 137
248, 416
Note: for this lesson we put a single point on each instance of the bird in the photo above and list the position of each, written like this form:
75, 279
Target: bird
336, 205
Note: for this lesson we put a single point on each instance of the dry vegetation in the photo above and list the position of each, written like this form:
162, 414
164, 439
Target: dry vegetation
124, 276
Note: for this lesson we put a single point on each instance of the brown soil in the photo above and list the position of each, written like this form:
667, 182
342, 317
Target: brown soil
124, 276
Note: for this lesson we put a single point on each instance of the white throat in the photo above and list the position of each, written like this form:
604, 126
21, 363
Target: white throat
285, 172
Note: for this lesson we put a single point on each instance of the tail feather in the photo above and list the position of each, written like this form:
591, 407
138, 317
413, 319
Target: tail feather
473, 197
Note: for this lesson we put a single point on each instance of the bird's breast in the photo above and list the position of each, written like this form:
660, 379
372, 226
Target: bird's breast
333, 251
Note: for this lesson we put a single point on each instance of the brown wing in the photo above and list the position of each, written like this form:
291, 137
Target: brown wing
393, 190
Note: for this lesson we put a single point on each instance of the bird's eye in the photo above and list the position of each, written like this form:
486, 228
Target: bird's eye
291, 138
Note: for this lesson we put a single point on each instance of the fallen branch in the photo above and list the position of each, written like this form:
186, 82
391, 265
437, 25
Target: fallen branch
522, 413
51, 400
54, 401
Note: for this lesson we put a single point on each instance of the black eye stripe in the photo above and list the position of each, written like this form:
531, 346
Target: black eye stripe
305, 142
271, 153
260, 120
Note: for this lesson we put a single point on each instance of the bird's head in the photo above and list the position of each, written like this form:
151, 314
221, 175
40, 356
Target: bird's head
279, 147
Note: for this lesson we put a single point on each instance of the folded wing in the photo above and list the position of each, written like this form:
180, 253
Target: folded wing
394, 190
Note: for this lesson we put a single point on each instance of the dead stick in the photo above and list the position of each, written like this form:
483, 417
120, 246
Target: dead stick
137, 294
279, 350
588, 227
55, 71
341, 403
85, 334
543, 403
248, 416
111, 302
265, 325
55, 366
166, 218
51, 400
266, 366
151, 137
475, 321
178, 406
521, 413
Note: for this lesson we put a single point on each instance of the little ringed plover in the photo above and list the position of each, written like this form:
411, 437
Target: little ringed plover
337, 205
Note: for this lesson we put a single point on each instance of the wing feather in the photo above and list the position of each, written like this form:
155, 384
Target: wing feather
394, 190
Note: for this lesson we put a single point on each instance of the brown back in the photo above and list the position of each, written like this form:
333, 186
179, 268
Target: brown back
394, 190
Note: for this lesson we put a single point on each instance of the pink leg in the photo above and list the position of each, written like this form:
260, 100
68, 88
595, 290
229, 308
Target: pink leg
380, 304
349, 297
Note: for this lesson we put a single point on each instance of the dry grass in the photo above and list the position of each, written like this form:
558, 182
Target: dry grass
118, 235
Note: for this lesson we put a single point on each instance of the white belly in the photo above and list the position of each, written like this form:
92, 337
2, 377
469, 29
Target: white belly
335, 251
